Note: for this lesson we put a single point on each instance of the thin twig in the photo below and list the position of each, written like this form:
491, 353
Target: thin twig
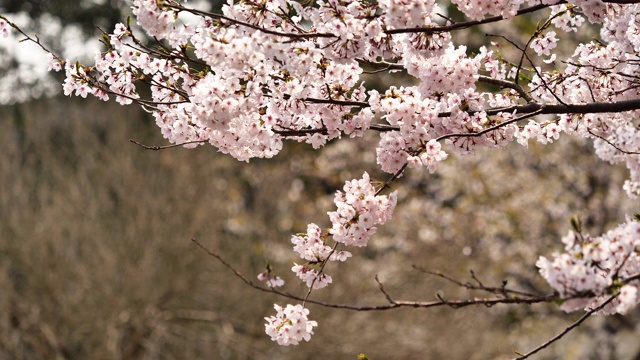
613, 145
489, 129
569, 328
394, 304
383, 291
502, 290
157, 148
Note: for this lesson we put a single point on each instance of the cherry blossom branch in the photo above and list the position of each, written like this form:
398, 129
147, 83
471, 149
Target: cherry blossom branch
250, 26
168, 54
468, 24
322, 265
386, 66
492, 128
29, 38
528, 110
556, 109
568, 329
335, 102
539, 31
424, 30
137, 100
524, 55
303, 132
613, 145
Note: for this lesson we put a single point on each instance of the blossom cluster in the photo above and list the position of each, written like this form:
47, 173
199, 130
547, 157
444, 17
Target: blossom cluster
593, 268
313, 248
358, 212
273, 281
290, 325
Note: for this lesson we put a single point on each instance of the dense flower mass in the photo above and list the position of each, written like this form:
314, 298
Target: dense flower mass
263, 72
597, 267
359, 210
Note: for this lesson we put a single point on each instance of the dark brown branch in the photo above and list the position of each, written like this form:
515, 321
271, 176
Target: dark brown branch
533, 109
383, 291
301, 132
502, 290
466, 24
442, 302
527, 110
392, 303
383, 127
424, 30
555, 109
568, 329
336, 102
251, 26
167, 54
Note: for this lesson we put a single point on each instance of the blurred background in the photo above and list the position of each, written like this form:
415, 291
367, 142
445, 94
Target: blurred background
97, 262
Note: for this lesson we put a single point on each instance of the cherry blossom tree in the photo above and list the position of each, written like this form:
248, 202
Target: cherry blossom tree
260, 73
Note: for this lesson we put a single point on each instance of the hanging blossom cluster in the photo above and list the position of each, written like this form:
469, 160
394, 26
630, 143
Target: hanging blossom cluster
359, 210
593, 268
262, 72
290, 325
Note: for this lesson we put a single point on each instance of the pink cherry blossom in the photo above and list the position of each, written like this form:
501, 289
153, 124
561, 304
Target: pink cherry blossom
290, 325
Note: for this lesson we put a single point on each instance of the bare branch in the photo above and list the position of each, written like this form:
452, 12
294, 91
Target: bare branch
569, 328
157, 148
383, 291
502, 290
392, 304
